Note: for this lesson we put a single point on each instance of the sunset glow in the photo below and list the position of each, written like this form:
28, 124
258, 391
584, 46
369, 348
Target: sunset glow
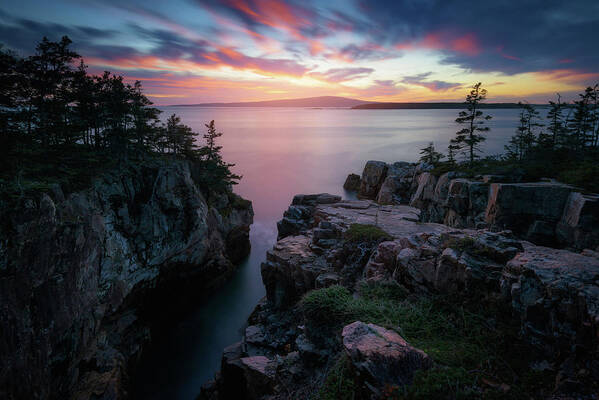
236, 50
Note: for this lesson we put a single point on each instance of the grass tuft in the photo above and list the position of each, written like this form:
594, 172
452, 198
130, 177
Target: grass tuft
365, 233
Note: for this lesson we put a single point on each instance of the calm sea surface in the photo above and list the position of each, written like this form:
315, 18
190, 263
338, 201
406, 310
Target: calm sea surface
281, 152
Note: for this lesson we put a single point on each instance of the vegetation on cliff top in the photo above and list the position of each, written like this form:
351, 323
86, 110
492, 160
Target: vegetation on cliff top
476, 355
365, 233
61, 125
563, 145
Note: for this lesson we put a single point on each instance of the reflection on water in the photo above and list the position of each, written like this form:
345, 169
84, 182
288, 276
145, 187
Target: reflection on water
281, 152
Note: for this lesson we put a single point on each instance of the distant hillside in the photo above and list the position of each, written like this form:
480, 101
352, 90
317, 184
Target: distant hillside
322, 101
420, 106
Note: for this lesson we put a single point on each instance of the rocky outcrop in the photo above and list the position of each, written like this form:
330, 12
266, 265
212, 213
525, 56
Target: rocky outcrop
381, 358
551, 295
352, 183
297, 262
82, 275
298, 216
396, 186
554, 294
530, 209
579, 224
546, 213
373, 176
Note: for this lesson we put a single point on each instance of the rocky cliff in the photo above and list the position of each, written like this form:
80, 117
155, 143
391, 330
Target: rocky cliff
353, 286
547, 213
82, 276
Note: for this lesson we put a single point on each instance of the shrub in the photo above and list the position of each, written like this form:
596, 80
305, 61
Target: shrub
365, 233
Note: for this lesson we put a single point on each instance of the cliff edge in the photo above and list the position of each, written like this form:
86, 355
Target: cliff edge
82, 276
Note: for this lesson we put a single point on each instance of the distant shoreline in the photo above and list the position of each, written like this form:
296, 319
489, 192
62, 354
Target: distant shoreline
366, 106
429, 106
347, 103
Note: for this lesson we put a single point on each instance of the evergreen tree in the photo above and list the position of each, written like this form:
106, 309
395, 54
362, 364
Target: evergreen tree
429, 155
180, 138
218, 171
452, 150
521, 144
8, 90
212, 150
581, 124
556, 122
50, 72
468, 138
145, 118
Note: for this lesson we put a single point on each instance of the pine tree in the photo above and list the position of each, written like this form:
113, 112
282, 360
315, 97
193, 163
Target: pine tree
556, 122
581, 124
468, 139
212, 150
452, 150
521, 144
145, 118
218, 171
429, 155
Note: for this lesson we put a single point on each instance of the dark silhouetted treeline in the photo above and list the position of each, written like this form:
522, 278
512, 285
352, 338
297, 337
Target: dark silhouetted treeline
563, 144
61, 123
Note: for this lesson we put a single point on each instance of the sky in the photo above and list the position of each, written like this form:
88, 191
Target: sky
195, 51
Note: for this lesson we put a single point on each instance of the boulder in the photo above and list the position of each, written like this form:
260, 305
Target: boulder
246, 378
425, 191
373, 176
396, 186
555, 294
381, 357
517, 206
290, 270
579, 225
388, 190
352, 183
466, 203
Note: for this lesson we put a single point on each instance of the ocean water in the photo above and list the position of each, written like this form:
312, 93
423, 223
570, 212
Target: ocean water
282, 152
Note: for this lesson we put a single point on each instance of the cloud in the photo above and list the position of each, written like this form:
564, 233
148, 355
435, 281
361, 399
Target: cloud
434, 85
168, 49
507, 36
342, 74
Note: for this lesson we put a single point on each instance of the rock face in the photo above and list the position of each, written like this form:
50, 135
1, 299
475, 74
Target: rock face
79, 274
381, 357
579, 223
298, 215
352, 183
546, 213
373, 176
396, 186
297, 262
551, 295
531, 209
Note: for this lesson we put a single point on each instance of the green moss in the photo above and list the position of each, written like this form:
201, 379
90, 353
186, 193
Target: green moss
328, 307
365, 233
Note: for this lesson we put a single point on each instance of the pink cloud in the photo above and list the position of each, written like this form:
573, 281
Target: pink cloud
465, 44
